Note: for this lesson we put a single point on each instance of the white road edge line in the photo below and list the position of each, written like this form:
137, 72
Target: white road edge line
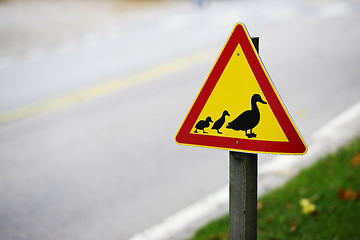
331, 136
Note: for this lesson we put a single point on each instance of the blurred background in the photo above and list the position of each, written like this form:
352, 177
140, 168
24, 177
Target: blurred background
93, 92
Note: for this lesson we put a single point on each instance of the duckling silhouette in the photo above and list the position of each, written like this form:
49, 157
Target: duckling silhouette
203, 124
248, 119
220, 122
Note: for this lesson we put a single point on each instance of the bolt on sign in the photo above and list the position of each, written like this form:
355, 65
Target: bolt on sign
238, 107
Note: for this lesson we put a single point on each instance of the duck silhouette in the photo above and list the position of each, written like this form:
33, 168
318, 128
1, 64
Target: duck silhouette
248, 119
220, 122
203, 124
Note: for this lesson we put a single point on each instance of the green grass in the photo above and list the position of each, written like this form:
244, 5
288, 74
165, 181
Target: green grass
280, 213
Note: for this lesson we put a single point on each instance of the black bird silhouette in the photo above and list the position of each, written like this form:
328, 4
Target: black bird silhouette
220, 122
248, 119
203, 124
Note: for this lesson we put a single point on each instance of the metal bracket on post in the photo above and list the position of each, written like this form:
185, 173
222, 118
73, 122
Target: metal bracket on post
243, 191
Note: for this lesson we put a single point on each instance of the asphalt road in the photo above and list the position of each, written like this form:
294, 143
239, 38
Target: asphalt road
105, 165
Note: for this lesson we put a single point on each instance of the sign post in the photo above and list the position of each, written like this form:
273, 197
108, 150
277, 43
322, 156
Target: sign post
243, 196
243, 191
238, 109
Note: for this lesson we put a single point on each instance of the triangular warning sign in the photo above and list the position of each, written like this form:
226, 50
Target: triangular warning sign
238, 107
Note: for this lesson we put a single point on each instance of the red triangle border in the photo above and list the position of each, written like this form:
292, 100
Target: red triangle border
295, 144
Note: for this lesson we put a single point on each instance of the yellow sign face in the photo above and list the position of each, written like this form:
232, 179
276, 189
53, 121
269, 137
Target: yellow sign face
238, 107
228, 95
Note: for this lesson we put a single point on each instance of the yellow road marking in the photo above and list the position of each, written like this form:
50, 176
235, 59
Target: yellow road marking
107, 88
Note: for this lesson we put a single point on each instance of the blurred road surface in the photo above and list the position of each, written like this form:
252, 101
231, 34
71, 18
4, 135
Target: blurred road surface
101, 162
